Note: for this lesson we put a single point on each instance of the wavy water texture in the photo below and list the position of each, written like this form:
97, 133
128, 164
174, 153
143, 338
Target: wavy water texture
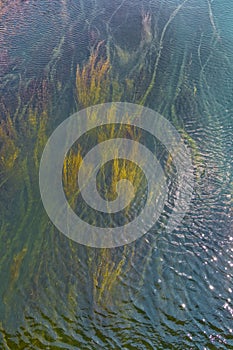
163, 291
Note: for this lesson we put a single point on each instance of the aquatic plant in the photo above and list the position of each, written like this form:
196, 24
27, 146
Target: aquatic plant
92, 81
71, 166
91, 87
9, 151
146, 27
22, 138
160, 48
95, 85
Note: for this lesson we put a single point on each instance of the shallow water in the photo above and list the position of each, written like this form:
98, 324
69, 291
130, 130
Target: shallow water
165, 290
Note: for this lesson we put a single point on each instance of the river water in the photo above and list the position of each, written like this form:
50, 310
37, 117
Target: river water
166, 290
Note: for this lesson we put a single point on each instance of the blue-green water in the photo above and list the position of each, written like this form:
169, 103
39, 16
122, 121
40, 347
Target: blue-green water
165, 290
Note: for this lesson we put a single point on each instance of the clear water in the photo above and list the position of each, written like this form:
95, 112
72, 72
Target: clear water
164, 291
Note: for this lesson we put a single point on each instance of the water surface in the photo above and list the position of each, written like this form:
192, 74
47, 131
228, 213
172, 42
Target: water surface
165, 290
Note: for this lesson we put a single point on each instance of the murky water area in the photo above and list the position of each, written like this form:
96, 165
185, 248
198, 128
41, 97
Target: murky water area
166, 290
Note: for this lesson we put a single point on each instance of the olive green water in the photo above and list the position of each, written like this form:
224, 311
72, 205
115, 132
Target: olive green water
164, 291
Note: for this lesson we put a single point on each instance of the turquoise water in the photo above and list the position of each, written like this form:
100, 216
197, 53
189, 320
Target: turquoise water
165, 290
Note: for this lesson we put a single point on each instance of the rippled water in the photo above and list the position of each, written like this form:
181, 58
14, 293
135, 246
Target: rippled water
165, 290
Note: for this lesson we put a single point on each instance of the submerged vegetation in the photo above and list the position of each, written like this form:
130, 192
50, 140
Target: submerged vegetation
40, 259
9, 150
24, 135
93, 81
